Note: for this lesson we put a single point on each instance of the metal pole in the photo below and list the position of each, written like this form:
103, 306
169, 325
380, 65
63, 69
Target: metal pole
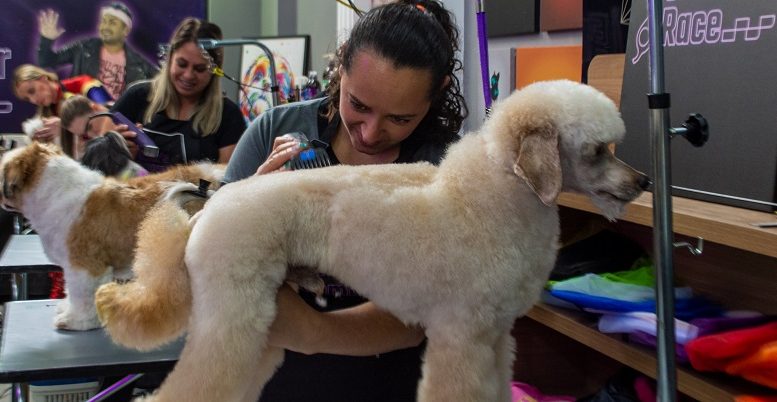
483, 46
213, 43
662, 207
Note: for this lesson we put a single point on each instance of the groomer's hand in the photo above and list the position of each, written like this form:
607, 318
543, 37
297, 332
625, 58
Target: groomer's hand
283, 149
295, 324
48, 24
362, 330
52, 129
129, 137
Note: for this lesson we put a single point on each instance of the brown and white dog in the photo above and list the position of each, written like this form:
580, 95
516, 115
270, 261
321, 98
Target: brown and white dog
87, 223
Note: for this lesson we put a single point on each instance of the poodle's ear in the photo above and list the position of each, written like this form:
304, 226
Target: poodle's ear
538, 162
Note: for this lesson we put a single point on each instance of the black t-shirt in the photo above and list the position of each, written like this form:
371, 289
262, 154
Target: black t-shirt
133, 104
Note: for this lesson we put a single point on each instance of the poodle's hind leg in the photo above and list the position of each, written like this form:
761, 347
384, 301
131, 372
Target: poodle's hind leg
269, 362
226, 341
461, 366
505, 356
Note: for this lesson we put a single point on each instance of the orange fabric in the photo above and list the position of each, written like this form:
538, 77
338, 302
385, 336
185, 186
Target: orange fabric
755, 398
760, 367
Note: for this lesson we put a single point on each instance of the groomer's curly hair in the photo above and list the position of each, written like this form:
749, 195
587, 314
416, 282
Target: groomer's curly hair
413, 34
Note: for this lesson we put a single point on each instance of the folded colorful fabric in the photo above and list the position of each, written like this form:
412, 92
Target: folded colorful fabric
755, 398
760, 367
598, 285
649, 340
730, 320
685, 309
718, 351
647, 322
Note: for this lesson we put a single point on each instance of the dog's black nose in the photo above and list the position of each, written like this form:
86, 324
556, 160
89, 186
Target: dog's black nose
644, 182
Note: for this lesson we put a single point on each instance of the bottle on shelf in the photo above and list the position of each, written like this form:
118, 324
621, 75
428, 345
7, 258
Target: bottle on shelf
313, 86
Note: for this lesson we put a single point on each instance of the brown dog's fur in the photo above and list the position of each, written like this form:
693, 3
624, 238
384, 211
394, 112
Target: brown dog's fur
461, 249
87, 223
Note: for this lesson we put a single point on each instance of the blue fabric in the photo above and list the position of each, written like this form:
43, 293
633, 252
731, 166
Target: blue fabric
685, 309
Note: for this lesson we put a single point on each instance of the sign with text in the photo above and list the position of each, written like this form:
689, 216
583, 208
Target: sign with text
718, 58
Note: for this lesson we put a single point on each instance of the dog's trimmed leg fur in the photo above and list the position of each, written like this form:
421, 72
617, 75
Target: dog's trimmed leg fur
77, 312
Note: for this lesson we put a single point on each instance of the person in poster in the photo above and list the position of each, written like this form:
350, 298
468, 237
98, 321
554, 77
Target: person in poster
108, 57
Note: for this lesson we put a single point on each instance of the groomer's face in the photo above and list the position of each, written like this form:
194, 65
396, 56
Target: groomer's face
189, 71
381, 105
112, 30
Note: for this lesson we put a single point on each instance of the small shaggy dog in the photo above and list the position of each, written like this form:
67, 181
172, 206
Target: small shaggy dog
87, 223
461, 249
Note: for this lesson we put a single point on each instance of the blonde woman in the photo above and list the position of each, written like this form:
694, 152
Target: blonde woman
186, 98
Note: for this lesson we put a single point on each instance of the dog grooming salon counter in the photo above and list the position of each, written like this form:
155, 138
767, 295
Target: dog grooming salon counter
32, 349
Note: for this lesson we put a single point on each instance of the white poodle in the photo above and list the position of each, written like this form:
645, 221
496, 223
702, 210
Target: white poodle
461, 249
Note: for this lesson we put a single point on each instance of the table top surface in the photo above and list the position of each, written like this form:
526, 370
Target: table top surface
31, 349
24, 253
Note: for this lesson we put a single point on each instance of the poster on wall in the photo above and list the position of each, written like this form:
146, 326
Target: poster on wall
291, 63
152, 23
717, 59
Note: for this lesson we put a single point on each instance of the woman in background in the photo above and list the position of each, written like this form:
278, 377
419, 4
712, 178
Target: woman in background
186, 98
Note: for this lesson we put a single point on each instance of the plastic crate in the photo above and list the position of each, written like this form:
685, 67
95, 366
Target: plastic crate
67, 392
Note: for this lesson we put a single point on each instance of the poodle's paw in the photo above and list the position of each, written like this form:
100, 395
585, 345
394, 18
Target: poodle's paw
69, 320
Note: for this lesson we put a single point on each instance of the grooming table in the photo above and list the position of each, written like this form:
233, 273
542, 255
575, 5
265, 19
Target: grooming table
24, 253
31, 349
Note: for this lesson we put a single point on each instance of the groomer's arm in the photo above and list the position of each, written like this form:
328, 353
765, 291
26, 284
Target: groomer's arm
363, 330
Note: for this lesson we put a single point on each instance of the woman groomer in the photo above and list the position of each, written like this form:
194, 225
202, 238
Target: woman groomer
394, 99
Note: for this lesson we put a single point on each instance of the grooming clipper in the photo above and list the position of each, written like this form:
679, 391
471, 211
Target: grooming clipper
313, 157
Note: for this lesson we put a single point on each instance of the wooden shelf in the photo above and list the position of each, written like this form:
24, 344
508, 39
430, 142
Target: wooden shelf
582, 328
713, 222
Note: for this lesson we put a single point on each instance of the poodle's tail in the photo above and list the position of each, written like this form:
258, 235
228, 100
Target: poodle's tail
152, 309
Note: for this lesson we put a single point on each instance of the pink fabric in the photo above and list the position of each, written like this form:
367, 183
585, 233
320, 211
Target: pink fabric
645, 389
527, 393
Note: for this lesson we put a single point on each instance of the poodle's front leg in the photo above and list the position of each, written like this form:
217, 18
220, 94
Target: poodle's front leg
77, 311
461, 366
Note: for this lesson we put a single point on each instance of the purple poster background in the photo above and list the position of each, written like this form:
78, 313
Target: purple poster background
153, 23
